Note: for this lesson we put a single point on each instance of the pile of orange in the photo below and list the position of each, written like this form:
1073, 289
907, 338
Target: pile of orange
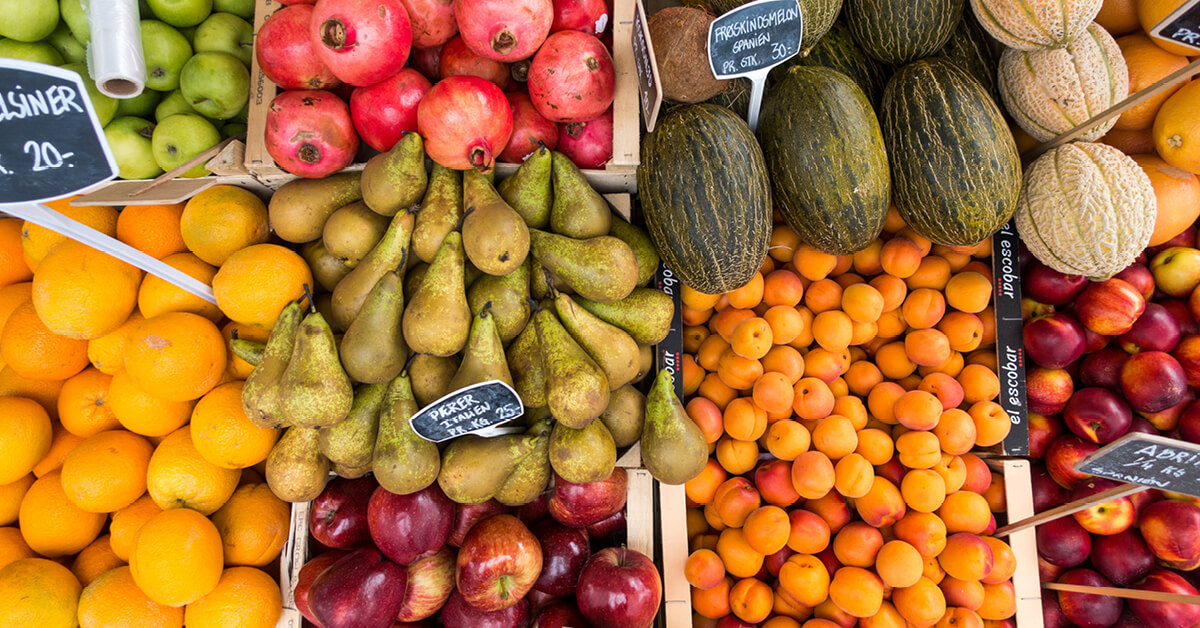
842, 397
131, 488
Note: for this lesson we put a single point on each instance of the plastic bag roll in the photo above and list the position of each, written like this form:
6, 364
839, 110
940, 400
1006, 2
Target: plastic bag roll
114, 54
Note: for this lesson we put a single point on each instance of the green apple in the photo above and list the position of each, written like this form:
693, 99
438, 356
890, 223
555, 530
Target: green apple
180, 137
226, 32
216, 84
243, 115
172, 104
105, 106
141, 105
181, 13
165, 50
189, 32
71, 50
35, 51
129, 139
241, 8
232, 129
28, 20
77, 20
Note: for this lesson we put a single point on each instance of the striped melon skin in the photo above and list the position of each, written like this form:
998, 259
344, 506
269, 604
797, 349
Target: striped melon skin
899, 31
970, 49
955, 170
818, 17
1086, 209
1034, 24
1048, 92
706, 197
837, 51
825, 154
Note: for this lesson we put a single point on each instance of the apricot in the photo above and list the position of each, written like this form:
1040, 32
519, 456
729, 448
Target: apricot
969, 292
881, 401
999, 601
767, 529
857, 544
979, 477
875, 445
867, 260
835, 437
923, 308
900, 257
786, 361
832, 329
812, 399
992, 423
838, 386
823, 295
852, 408
786, 323
994, 494
934, 571
712, 603
963, 330
826, 365
697, 300
927, 347
707, 540
725, 322
1004, 562
862, 302
966, 557
953, 471
716, 391
853, 475
955, 430
695, 521
918, 410
741, 560
862, 333
956, 259
882, 505
846, 280
957, 617
751, 600
782, 287
749, 294
965, 511
921, 604
923, 490
813, 263
933, 273
752, 338
738, 372
947, 389
832, 508
787, 439
918, 450
924, 531
862, 376
805, 579
979, 383
703, 488
782, 245
703, 569
813, 474
856, 591
829, 611
734, 500
809, 533
736, 456
893, 361
899, 564
892, 289
887, 617
962, 593
713, 518
786, 607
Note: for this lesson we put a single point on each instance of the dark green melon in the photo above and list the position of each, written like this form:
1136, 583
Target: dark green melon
735, 97
705, 196
899, 31
955, 170
826, 158
970, 48
818, 16
837, 51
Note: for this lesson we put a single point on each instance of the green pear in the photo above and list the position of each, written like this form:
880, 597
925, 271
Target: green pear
403, 461
474, 468
262, 396
373, 349
645, 314
395, 180
438, 318
602, 268
315, 390
495, 237
296, 470
578, 211
613, 349
483, 357
673, 447
529, 190
299, 208
525, 363
388, 254
351, 442
588, 454
576, 387
508, 296
643, 248
441, 209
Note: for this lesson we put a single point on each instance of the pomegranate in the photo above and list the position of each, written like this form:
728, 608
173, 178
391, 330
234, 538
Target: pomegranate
385, 111
309, 133
291, 2
519, 70
285, 51
588, 144
433, 22
572, 78
504, 30
529, 130
361, 42
425, 61
465, 122
457, 60
585, 16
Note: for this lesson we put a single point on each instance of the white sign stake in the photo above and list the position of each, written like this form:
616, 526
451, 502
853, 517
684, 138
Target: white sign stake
750, 40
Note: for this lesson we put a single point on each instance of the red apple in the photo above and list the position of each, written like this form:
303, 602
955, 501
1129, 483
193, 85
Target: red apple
619, 588
1103, 368
1166, 613
1167, 420
1187, 237
1172, 532
560, 614
1153, 381
1048, 571
498, 563
564, 552
1189, 423
1052, 615
1109, 307
537, 600
1128, 620
338, 516
430, 583
1155, 330
1140, 277
1093, 342
1183, 316
583, 504
1097, 414
1187, 353
467, 515
1042, 431
1047, 493
1176, 270
608, 531
363, 589
773, 479
1048, 390
1053, 341
1046, 285
1110, 517
1062, 455
410, 527
1063, 542
308, 573
1122, 557
535, 510
1086, 609
458, 612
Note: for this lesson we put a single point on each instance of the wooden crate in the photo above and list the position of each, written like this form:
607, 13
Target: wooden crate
619, 175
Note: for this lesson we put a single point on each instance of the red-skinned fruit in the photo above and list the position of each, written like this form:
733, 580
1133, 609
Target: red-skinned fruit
586, 16
1123, 557
1063, 542
537, 509
1153, 381
1062, 455
285, 53
504, 30
338, 516
308, 573
530, 130
310, 133
1179, 309
1155, 330
430, 583
774, 562
1167, 420
498, 563
426, 61
559, 614
1165, 613
608, 531
619, 588
774, 482
1042, 431
1094, 342
410, 527
564, 552
1048, 571
1128, 620
1176, 270
385, 111
457, 612
1097, 414
1189, 423
467, 515
582, 504
465, 122
1187, 353
1086, 609
1169, 528
588, 144
1048, 390
1046, 285
1138, 276
572, 78
1103, 368
1111, 517
1109, 307
1052, 615
459, 60
361, 43
1047, 493
433, 22
363, 588
1054, 341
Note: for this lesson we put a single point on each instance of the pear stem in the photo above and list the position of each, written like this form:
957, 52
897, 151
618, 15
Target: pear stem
312, 304
408, 363
549, 281
463, 218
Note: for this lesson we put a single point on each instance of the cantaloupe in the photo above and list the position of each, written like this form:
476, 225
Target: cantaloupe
1048, 92
1086, 209
1034, 24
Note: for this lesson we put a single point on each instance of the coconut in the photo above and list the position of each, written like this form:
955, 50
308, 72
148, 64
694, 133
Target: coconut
680, 39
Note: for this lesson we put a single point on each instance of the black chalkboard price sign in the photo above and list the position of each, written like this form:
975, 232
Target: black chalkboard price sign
469, 410
51, 143
650, 92
1182, 26
1148, 460
753, 38
1010, 346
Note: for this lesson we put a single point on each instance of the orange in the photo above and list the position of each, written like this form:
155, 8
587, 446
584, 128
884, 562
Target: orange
62, 443
24, 438
176, 558
254, 524
143, 413
1147, 64
94, 560
13, 546
152, 229
32, 351
107, 471
1119, 17
107, 353
80, 292
222, 220
253, 285
1150, 13
11, 495
114, 599
38, 241
244, 597
83, 404
179, 477
1177, 128
51, 524
237, 367
11, 296
222, 433
127, 522
12, 264
1177, 193
157, 296
38, 592
178, 356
